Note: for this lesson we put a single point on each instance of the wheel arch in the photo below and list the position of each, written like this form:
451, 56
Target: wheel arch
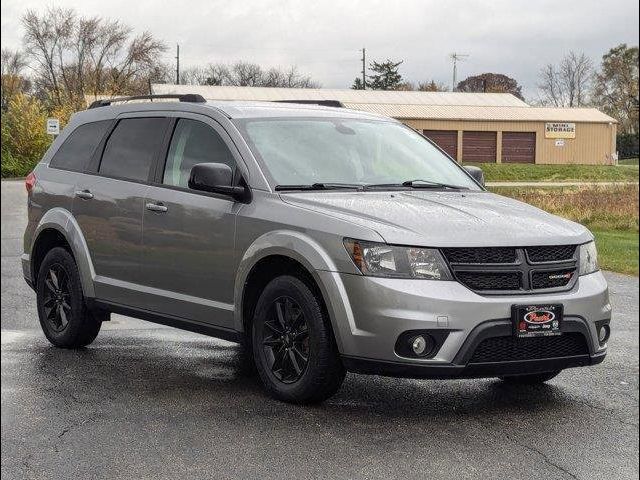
57, 227
275, 254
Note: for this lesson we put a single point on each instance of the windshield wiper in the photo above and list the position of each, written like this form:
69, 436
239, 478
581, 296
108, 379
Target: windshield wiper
319, 186
416, 184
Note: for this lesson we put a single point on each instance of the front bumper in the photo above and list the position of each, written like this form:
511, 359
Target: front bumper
369, 314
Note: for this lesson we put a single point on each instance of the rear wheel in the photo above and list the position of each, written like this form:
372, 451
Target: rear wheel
293, 345
532, 379
64, 317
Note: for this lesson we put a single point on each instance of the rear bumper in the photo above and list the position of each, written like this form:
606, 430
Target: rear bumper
25, 260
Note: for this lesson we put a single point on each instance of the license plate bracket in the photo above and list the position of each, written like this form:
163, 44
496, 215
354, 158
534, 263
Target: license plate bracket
540, 320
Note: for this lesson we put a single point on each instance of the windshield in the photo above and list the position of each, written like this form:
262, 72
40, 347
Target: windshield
312, 151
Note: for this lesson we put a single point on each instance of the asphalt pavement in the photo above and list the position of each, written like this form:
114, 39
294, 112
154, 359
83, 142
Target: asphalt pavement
150, 402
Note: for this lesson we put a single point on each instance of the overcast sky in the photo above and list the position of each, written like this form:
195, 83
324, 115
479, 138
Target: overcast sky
323, 38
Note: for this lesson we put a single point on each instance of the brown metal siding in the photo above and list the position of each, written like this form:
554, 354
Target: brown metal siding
518, 147
594, 144
479, 147
445, 139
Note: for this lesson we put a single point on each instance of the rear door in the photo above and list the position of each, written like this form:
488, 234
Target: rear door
67, 165
189, 258
109, 204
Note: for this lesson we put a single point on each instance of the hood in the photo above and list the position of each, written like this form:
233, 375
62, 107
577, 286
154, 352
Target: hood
445, 219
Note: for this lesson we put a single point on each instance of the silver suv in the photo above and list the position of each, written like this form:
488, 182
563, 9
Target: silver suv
323, 239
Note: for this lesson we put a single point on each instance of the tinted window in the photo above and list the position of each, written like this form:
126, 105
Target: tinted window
193, 142
131, 148
77, 149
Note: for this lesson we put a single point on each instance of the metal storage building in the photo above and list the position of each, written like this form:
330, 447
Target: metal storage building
471, 127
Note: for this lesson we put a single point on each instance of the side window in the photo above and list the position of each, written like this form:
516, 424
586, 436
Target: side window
131, 148
193, 142
76, 151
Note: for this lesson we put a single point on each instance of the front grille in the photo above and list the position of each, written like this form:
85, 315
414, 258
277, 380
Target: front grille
504, 349
551, 254
552, 279
490, 281
499, 270
481, 255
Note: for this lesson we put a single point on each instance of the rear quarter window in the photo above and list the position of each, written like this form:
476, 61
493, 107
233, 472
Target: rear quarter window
76, 151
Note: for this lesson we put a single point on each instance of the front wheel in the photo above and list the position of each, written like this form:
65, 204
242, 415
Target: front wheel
531, 379
293, 345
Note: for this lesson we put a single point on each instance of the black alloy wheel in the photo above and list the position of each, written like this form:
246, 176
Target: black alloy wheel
285, 340
293, 347
64, 316
57, 303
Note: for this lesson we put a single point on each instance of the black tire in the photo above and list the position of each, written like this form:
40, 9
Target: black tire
531, 379
323, 371
61, 291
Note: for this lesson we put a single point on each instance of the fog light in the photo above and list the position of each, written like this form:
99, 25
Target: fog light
603, 334
419, 345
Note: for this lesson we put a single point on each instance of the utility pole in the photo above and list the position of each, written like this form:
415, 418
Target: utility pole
455, 57
177, 64
364, 68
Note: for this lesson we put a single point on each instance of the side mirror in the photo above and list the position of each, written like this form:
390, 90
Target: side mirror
217, 178
476, 173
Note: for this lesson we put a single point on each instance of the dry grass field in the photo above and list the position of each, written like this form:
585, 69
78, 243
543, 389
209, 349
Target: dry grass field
610, 212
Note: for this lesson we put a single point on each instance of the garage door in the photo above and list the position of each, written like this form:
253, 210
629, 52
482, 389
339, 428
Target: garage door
479, 147
445, 139
518, 147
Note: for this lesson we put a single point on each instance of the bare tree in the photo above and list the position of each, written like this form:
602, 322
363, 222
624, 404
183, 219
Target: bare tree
74, 56
13, 63
243, 74
566, 84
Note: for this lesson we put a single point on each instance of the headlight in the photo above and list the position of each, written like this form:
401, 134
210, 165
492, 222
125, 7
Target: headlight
588, 258
382, 260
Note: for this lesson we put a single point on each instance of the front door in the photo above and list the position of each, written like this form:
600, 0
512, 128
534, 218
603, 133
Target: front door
188, 236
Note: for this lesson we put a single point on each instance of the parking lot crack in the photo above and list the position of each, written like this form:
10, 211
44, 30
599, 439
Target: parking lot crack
529, 448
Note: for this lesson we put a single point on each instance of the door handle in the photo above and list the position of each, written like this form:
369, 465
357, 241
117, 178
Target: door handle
157, 207
84, 194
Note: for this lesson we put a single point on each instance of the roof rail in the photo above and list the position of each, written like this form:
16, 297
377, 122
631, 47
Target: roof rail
323, 103
188, 97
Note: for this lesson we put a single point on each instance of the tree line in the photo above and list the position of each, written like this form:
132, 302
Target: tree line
67, 57
573, 82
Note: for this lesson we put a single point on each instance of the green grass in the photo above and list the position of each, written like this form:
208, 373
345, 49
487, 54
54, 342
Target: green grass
629, 161
617, 251
494, 172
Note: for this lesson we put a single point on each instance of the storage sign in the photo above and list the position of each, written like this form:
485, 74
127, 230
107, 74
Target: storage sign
560, 130
53, 126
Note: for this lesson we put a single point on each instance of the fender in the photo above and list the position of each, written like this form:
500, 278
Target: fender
299, 247
62, 220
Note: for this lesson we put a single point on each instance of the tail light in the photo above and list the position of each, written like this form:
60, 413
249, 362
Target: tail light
30, 182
